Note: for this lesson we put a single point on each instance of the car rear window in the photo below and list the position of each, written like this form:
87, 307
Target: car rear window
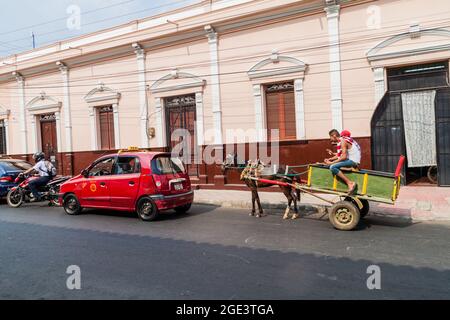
167, 165
15, 165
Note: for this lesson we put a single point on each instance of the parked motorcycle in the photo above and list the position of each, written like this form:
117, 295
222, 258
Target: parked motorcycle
22, 193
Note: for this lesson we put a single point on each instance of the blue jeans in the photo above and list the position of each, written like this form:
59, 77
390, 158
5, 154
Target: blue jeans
335, 168
36, 183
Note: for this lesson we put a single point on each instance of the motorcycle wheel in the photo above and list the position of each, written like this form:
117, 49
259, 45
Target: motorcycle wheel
15, 198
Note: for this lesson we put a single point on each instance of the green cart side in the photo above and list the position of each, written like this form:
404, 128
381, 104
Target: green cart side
371, 186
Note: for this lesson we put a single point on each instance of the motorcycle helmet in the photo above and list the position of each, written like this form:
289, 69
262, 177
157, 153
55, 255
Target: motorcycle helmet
38, 156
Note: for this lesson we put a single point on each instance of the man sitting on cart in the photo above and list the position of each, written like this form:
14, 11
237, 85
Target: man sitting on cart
348, 155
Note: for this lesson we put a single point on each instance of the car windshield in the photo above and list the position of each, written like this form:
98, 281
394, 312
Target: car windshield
15, 165
167, 165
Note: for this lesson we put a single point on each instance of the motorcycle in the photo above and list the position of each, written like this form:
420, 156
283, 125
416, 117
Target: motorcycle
22, 193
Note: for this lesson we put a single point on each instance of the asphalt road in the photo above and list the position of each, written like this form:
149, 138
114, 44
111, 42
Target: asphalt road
216, 253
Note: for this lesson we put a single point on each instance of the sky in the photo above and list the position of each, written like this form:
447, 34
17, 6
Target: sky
54, 20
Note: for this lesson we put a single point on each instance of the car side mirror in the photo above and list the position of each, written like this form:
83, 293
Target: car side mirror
84, 173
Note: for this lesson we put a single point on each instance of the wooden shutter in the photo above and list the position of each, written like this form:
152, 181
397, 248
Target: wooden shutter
106, 119
280, 110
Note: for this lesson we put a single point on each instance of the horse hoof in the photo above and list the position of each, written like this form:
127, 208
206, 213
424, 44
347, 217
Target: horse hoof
285, 217
251, 214
258, 216
295, 216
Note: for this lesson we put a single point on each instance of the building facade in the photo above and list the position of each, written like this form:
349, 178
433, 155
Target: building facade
221, 67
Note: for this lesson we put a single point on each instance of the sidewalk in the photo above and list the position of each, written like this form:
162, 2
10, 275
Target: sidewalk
414, 203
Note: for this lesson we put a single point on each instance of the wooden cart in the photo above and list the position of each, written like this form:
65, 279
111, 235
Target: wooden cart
346, 213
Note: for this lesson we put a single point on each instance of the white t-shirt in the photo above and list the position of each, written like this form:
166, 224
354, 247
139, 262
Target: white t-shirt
41, 168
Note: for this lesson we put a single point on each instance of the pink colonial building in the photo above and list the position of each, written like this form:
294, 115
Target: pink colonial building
376, 68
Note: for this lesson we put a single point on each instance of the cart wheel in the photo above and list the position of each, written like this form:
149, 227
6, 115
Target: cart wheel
364, 210
344, 215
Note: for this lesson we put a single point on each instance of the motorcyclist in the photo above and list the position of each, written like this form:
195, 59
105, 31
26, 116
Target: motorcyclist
44, 175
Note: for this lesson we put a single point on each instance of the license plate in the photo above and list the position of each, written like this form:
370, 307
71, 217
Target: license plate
178, 186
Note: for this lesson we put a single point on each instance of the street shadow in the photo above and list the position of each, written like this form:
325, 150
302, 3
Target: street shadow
164, 215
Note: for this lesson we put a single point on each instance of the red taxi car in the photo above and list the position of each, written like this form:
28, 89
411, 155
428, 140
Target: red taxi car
141, 181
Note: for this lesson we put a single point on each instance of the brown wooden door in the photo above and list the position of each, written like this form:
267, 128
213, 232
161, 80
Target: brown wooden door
48, 136
106, 120
280, 110
181, 114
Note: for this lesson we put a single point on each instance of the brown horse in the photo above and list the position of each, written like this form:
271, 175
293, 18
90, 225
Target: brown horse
258, 170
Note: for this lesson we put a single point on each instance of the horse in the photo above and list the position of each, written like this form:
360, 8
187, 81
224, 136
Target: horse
257, 169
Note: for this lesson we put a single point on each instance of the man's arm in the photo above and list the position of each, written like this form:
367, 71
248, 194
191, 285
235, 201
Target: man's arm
342, 157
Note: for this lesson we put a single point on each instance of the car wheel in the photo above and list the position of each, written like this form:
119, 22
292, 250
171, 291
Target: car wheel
147, 209
72, 205
183, 209
15, 198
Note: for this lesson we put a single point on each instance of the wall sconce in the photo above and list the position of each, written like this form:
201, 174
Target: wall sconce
151, 132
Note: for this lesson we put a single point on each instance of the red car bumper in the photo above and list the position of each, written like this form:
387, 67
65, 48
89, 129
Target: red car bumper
173, 201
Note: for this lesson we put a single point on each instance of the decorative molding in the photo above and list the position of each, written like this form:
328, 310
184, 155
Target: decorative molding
43, 104
175, 74
257, 72
373, 55
101, 94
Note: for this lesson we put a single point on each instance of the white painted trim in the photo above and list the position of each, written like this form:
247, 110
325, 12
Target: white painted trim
22, 115
158, 87
299, 109
36, 133
4, 116
39, 105
373, 55
160, 122
380, 83
93, 121
93, 96
335, 66
143, 102
200, 119
58, 131
6, 122
256, 71
117, 144
213, 42
260, 123
67, 108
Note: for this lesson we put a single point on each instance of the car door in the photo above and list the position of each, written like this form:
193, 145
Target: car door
95, 187
125, 181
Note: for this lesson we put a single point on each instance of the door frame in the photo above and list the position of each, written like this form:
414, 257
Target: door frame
195, 145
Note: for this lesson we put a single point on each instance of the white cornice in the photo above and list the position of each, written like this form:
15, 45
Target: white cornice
256, 71
102, 93
175, 74
43, 104
373, 55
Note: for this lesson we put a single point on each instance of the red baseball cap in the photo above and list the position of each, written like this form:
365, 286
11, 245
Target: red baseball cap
345, 133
